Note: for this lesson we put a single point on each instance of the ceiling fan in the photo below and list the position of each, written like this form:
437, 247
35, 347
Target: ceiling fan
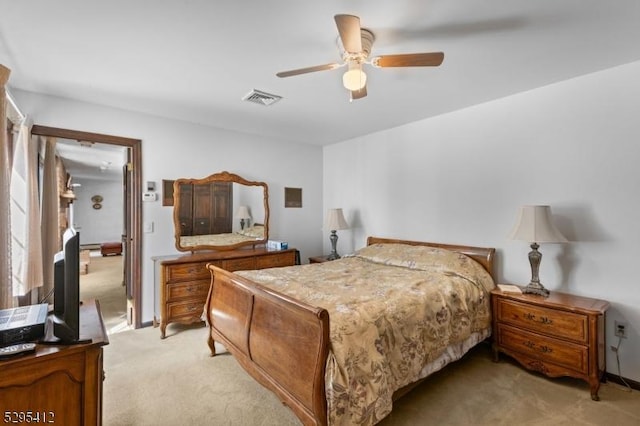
357, 42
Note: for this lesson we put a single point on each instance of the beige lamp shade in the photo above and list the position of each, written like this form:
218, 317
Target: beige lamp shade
335, 220
535, 225
243, 213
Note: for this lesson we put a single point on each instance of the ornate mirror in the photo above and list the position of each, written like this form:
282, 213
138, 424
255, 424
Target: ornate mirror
221, 212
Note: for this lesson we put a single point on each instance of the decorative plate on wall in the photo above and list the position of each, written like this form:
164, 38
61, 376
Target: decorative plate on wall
97, 199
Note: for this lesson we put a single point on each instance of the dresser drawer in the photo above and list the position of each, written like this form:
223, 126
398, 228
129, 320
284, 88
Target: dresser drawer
193, 289
240, 264
186, 272
569, 355
556, 323
276, 260
185, 309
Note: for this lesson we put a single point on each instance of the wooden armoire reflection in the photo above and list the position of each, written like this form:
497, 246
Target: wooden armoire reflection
206, 208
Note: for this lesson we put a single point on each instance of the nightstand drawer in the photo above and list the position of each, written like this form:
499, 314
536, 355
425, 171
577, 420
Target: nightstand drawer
569, 355
194, 289
276, 260
187, 272
552, 322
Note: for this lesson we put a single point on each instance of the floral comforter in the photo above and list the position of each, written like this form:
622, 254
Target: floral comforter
216, 239
397, 313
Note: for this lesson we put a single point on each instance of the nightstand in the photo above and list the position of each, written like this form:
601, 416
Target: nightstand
559, 335
319, 259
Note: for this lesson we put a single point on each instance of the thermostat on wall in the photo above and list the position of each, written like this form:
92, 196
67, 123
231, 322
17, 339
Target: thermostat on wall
149, 196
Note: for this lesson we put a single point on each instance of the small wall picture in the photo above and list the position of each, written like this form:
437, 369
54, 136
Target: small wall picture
167, 192
293, 197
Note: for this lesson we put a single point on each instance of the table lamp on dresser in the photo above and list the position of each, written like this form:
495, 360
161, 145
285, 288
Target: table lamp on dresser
244, 216
536, 226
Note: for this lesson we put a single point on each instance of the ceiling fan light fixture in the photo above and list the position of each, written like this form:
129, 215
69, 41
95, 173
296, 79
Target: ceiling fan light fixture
354, 78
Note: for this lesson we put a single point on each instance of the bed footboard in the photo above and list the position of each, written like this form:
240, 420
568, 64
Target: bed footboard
281, 342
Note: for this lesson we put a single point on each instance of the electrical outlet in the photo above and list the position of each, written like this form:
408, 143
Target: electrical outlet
620, 329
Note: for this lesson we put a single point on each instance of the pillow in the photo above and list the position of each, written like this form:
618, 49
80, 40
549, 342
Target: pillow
426, 258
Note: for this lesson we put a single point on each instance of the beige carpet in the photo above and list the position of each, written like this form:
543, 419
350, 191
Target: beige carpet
175, 382
104, 283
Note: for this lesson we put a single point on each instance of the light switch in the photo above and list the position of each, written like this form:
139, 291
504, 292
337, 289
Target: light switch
148, 227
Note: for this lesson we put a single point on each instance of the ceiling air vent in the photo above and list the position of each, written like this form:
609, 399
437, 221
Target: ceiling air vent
261, 98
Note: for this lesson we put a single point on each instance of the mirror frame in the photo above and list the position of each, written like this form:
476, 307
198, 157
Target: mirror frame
218, 177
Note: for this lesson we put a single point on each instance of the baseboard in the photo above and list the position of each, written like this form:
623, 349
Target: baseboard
93, 246
616, 379
146, 324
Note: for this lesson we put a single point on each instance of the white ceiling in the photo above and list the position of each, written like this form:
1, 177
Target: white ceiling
195, 59
96, 161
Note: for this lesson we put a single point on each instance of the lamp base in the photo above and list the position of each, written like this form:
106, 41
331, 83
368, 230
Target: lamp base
334, 240
536, 288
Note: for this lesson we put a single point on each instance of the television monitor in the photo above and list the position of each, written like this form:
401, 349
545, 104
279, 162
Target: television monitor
63, 324
58, 283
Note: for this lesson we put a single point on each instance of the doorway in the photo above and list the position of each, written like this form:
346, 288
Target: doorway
132, 202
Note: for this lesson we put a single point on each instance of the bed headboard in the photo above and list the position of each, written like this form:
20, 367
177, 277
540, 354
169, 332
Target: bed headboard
482, 255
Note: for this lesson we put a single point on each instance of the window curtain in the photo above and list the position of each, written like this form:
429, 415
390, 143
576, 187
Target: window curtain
6, 289
26, 241
50, 215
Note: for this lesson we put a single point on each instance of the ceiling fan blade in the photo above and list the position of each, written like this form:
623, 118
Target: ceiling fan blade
325, 67
432, 59
359, 94
349, 29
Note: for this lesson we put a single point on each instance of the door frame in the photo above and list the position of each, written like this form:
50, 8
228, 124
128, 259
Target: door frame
134, 196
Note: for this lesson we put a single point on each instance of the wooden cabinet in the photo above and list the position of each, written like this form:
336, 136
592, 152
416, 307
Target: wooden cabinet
205, 208
559, 335
58, 384
185, 280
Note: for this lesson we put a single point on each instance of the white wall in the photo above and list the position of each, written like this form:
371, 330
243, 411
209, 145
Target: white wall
461, 178
172, 149
98, 225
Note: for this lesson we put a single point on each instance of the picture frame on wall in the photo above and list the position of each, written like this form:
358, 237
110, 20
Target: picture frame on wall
293, 197
167, 192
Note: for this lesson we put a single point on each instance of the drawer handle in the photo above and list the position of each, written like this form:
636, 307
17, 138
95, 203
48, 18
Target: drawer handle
192, 308
543, 349
190, 289
542, 320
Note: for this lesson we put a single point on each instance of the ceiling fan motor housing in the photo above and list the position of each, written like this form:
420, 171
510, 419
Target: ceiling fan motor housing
359, 57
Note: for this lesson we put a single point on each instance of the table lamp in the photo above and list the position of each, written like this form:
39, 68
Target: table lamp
334, 221
535, 226
242, 214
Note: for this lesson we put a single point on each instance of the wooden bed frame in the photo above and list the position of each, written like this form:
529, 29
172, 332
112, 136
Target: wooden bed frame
282, 342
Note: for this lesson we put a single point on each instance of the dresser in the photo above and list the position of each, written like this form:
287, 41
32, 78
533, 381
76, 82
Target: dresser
559, 335
58, 384
185, 280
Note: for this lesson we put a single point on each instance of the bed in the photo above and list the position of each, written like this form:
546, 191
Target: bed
338, 341
254, 233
